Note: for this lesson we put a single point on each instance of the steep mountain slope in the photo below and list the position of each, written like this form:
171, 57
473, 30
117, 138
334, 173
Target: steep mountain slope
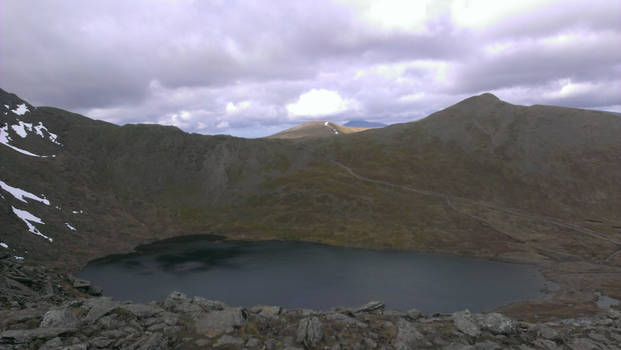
480, 178
315, 129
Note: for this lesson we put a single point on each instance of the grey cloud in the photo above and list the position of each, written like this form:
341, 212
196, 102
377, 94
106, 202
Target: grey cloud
538, 64
146, 61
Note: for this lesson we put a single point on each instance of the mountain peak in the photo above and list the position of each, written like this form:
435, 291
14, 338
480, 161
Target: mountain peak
488, 96
482, 101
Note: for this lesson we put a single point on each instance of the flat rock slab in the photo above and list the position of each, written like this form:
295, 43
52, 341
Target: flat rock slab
217, 322
28, 335
465, 323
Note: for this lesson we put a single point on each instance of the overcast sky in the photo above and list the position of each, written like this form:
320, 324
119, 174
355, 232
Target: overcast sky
251, 68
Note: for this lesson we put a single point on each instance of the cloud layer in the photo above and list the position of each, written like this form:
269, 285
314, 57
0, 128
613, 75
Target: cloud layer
251, 68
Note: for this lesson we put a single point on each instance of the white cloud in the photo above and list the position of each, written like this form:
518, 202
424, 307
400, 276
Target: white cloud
568, 89
479, 14
404, 15
232, 108
223, 125
319, 103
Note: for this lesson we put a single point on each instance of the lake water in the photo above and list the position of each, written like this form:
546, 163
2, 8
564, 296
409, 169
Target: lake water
308, 275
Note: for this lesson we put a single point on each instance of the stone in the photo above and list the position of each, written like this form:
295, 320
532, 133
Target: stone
497, 323
253, 342
464, 322
174, 298
21, 336
98, 308
81, 284
486, 345
153, 341
228, 340
413, 314
344, 320
372, 306
408, 337
269, 312
547, 332
142, 310
369, 343
169, 318
309, 332
53, 343
100, 342
110, 322
598, 337
59, 318
94, 290
218, 322
202, 342
545, 344
582, 344
208, 305
614, 314
456, 346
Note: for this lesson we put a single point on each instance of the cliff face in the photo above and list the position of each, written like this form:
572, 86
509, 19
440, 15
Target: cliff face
43, 309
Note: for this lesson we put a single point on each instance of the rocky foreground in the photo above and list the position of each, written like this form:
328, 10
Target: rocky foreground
44, 309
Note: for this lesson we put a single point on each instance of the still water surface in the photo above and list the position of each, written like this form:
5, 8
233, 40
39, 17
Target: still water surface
297, 274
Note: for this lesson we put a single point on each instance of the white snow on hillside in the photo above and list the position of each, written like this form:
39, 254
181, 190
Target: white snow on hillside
20, 194
28, 219
4, 245
7, 106
20, 129
23, 129
50, 135
331, 128
5, 138
21, 109
70, 227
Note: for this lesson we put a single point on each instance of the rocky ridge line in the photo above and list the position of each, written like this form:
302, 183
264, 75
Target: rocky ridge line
44, 309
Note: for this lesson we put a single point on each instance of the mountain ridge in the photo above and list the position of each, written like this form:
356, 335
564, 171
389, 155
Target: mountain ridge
481, 178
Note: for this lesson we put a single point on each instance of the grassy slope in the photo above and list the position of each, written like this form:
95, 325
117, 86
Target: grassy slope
145, 182
315, 129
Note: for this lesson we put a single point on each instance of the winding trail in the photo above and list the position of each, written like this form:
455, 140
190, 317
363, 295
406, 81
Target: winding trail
511, 211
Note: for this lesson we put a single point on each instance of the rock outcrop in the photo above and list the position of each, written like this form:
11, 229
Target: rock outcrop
41, 309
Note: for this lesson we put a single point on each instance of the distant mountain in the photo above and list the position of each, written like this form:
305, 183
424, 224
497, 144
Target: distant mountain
359, 123
315, 129
482, 178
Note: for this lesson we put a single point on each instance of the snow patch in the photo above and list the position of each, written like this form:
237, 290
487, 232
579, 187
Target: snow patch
19, 257
20, 129
20, 194
21, 109
70, 227
5, 138
28, 219
331, 128
78, 211
7, 106
4, 245
50, 135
